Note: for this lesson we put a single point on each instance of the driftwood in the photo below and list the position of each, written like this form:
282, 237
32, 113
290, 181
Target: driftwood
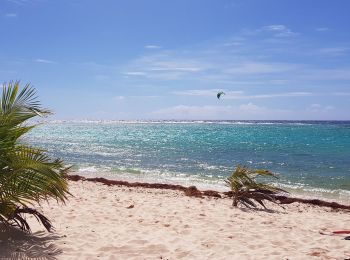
194, 192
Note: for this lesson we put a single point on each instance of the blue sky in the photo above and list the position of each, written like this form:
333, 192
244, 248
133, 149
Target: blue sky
159, 59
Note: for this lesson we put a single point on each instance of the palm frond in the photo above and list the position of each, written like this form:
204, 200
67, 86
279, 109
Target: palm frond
27, 174
246, 189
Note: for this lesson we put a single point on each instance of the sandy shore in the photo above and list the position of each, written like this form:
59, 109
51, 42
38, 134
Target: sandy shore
114, 222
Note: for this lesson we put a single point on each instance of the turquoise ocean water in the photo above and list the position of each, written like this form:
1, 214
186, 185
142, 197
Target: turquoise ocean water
311, 158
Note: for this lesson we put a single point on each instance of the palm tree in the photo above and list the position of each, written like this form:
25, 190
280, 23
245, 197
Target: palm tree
27, 174
245, 189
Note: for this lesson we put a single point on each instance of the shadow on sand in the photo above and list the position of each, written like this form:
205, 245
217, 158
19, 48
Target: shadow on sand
16, 244
274, 211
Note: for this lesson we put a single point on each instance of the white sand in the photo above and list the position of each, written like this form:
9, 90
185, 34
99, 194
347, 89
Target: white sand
97, 224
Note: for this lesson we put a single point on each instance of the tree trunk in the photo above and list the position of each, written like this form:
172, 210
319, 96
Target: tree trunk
235, 201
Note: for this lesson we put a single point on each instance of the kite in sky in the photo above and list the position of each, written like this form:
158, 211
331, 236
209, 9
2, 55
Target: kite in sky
220, 94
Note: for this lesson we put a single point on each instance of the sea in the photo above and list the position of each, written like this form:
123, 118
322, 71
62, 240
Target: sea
310, 158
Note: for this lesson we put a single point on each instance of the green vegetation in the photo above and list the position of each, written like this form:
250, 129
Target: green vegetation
27, 175
246, 190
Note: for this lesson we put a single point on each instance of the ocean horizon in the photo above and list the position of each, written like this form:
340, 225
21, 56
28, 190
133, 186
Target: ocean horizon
309, 157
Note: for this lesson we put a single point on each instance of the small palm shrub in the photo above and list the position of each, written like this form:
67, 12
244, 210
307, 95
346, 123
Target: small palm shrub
27, 174
246, 190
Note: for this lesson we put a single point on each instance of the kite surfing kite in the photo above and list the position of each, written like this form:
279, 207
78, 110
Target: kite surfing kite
218, 95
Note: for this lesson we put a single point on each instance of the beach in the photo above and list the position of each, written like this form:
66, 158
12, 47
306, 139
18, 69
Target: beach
118, 222
174, 130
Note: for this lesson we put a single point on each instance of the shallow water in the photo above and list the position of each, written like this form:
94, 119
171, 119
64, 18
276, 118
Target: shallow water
311, 158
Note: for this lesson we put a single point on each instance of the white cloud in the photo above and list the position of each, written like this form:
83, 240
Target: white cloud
251, 108
24, 2
317, 108
145, 97
97, 66
326, 74
215, 63
8, 71
163, 66
205, 66
101, 77
262, 69
18, 1
334, 51
153, 47
254, 82
278, 81
44, 61
186, 69
276, 27
279, 95
135, 73
341, 94
173, 63
119, 98
233, 43
11, 15
278, 30
259, 68
322, 29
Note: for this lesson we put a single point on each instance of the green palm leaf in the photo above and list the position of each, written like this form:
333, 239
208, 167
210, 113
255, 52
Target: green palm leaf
246, 189
27, 174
